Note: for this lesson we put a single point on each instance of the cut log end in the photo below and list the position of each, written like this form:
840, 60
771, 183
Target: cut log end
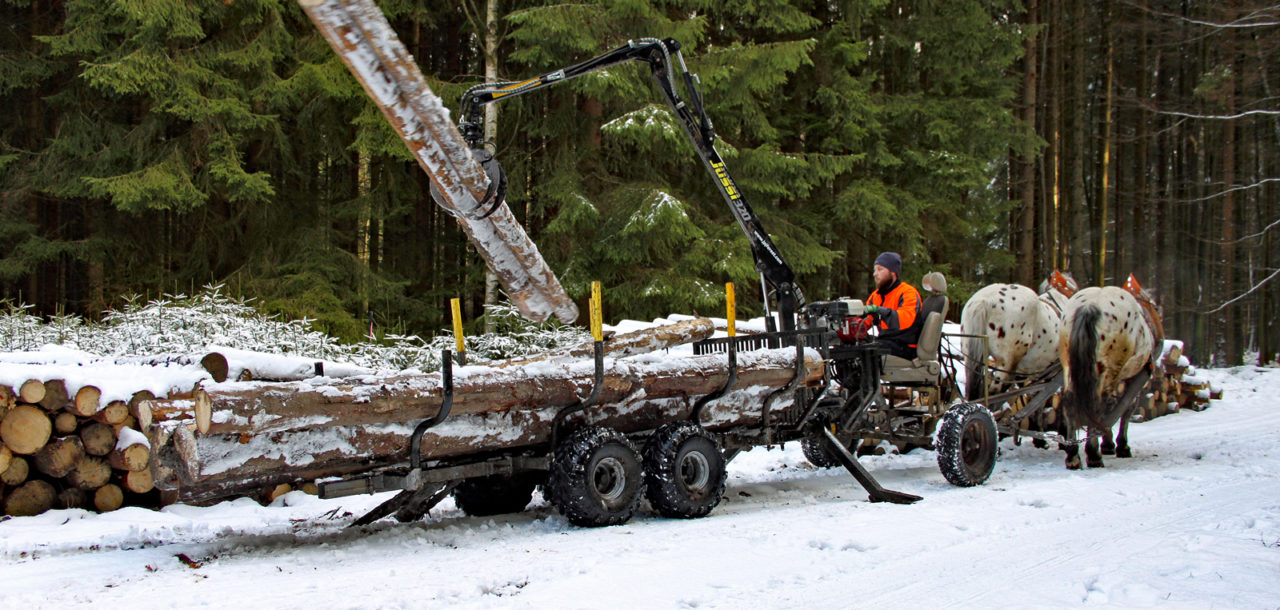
114, 413
109, 497
25, 429
59, 456
131, 458
138, 482
216, 365
6, 458
90, 473
31, 498
16, 473
31, 391
98, 438
65, 423
204, 411
86, 401
55, 395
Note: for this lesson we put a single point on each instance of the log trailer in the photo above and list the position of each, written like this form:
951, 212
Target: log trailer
596, 474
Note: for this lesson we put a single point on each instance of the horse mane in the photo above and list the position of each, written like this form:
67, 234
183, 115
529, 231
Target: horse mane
1082, 354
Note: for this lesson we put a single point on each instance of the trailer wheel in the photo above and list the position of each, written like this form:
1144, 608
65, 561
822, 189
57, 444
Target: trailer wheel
595, 477
967, 444
684, 470
495, 495
817, 453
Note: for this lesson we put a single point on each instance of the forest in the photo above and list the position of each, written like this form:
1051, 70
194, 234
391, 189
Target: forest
158, 146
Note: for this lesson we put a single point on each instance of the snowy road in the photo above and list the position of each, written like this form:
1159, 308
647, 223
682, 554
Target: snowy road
1192, 521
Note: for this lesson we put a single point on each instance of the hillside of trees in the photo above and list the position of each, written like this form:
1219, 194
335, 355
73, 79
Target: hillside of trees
157, 146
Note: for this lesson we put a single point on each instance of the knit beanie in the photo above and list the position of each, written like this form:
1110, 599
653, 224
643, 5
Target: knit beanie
890, 261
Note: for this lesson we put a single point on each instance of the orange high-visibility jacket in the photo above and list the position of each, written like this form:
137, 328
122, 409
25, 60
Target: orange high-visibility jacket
899, 325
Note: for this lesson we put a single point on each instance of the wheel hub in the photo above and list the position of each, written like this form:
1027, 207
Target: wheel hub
695, 472
609, 478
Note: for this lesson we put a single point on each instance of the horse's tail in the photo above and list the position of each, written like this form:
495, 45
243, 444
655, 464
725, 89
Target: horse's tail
1082, 354
973, 321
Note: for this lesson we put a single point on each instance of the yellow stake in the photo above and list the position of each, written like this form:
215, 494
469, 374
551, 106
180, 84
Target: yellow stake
457, 324
732, 305
596, 332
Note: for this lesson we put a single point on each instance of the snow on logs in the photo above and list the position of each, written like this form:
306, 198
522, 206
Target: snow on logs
280, 433
361, 36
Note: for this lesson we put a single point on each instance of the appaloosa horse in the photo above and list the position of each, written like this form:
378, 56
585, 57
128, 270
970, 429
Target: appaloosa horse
1021, 329
1109, 339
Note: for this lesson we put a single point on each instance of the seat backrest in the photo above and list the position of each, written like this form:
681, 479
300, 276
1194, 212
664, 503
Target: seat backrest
930, 340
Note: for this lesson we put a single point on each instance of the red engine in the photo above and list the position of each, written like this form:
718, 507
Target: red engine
855, 329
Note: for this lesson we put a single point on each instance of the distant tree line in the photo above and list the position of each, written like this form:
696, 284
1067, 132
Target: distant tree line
159, 145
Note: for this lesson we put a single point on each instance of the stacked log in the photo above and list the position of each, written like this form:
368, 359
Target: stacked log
61, 449
264, 435
1175, 385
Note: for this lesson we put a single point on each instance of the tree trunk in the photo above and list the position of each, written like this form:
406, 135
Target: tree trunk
58, 456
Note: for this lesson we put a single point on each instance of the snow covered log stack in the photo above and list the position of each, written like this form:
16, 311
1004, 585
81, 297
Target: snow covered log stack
70, 451
1177, 387
263, 435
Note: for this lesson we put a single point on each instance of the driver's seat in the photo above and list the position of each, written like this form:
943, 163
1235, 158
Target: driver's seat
925, 368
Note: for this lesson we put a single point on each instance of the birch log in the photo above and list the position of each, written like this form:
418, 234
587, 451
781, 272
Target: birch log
291, 441
359, 33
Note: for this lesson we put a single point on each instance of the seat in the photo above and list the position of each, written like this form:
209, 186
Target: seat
925, 368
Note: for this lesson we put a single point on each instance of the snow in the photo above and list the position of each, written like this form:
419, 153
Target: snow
1192, 521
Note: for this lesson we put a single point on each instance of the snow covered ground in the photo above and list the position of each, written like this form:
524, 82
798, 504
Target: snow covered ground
1192, 521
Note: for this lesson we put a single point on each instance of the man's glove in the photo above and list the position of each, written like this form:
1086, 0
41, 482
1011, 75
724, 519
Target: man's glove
874, 310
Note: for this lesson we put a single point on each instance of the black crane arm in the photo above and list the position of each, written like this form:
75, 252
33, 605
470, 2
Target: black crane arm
773, 269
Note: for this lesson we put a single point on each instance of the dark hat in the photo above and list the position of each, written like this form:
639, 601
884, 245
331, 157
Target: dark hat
890, 261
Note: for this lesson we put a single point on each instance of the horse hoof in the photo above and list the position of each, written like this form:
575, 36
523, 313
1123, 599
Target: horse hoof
1039, 444
1096, 464
1123, 452
1108, 450
1073, 464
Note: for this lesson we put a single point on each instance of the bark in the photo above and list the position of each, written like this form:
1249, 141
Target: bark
291, 406
360, 34
25, 429
287, 439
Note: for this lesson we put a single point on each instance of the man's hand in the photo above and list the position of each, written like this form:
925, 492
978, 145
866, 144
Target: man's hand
873, 310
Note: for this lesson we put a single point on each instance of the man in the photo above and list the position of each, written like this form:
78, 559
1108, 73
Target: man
896, 304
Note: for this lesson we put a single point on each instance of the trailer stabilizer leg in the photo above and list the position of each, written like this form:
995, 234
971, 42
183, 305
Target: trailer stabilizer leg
408, 505
875, 492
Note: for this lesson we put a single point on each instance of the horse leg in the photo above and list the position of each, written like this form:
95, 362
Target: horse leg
1122, 439
1091, 453
1108, 445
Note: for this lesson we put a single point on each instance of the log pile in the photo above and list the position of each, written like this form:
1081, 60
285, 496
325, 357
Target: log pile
1176, 386
71, 445
64, 450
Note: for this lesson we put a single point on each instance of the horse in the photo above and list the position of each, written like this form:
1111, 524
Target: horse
1109, 336
1021, 329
